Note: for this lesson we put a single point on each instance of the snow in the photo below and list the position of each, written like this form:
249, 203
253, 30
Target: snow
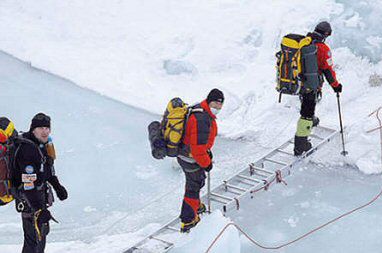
135, 50
143, 53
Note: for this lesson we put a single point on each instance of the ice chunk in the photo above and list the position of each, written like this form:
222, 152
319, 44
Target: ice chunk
174, 67
201, 237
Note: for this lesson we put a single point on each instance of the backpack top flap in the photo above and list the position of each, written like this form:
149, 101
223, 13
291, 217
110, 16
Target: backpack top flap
291, 41
173, 123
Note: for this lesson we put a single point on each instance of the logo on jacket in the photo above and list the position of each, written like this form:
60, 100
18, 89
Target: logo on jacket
29, 169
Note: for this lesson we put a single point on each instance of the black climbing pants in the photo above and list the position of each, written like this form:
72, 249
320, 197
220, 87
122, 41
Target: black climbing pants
31, 242
308, 105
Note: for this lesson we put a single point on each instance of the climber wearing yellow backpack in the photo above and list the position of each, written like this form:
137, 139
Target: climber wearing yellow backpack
7, 133
188, 133
301, 65
195, 156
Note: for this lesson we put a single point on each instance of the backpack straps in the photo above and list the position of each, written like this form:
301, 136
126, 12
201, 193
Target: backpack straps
194, 110
191, 110
19, 141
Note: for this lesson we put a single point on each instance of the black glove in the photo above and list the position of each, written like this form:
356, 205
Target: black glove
338, 88
60, 190
209, 167
209, 152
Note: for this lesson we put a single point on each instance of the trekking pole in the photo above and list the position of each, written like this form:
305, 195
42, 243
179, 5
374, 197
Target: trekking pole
344, 152
208, 192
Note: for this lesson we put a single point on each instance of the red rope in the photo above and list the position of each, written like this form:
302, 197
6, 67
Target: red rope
380, 128
277, 178
376, 112
298, 238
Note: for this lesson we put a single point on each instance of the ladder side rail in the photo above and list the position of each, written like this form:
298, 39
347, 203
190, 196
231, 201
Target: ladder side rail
149, 237
232, 204
326, 129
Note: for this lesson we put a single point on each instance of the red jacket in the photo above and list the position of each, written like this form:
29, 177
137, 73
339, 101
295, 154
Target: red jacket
325, 63
200, 134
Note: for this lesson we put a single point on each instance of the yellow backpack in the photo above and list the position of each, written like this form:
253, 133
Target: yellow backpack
173, 124
166, 136
297, 67
7, 129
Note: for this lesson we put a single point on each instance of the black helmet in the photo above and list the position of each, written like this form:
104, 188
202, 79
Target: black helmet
323, 28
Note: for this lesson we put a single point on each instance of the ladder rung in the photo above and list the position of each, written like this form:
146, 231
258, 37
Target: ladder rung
284, 152
316, 136
325, 129
173, 228
245, 182
235, 187
221, 196
262, 169
249, 178
219, 201
161, 240
233, 192
274, 161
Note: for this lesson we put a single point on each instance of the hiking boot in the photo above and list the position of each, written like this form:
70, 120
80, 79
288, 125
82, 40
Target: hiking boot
185, 227
301, 145
202, 208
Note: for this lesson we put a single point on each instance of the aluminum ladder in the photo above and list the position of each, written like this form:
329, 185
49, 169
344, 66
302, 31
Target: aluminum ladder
227, 196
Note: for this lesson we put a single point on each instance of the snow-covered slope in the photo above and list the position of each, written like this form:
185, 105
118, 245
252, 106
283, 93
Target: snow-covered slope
145, 52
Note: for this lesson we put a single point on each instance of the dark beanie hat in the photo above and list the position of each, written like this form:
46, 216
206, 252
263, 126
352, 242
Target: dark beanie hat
40, 120
323, 28
215, 95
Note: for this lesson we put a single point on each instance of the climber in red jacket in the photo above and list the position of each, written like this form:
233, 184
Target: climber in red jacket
195, 156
